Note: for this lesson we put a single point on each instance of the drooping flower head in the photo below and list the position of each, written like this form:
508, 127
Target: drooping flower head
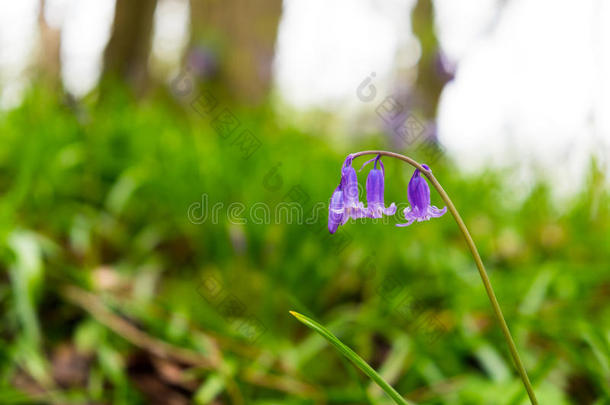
349, 184
374, 192
418, 193
345, 202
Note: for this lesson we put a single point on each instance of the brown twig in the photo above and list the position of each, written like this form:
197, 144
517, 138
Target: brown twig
124, 328
94, 306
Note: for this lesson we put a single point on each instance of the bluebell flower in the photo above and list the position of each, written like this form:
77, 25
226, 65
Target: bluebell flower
345, 202
349, 185
418, 193
374, 192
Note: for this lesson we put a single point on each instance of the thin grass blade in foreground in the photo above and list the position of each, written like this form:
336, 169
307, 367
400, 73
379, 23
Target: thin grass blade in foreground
352, 356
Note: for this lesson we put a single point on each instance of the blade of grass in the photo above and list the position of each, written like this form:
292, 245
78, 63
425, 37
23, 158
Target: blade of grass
352, 356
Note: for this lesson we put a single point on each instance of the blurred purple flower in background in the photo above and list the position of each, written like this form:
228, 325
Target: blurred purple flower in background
204, 61
444, 67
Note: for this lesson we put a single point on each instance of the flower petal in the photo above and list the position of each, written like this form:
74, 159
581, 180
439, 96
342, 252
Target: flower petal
391, 210
435, 212
336, 211
406, 224
355, 211
379, 210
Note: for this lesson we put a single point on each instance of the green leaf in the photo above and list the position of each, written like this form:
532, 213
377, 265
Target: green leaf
352, 356
209, 390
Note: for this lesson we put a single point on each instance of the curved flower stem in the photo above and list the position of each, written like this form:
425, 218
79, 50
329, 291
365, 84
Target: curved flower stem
477, 259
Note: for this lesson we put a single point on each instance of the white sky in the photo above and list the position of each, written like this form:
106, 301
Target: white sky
85, 30
170, 35
18, 27
531, 87
326, 48
533, 91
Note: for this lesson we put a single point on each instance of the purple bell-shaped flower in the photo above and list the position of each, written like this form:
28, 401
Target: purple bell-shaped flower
354, 208
418, 193
374, 192
345, 203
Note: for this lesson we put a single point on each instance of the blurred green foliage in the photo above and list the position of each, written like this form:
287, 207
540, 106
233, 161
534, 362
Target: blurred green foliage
96, 196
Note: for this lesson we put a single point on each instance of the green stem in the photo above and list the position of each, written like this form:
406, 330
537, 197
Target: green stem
477, 260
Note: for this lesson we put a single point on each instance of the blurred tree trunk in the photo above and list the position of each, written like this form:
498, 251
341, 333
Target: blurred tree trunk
240, 36
49, 64
431, 76
126, 55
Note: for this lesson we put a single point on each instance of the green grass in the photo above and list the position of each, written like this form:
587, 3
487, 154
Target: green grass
95, 197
